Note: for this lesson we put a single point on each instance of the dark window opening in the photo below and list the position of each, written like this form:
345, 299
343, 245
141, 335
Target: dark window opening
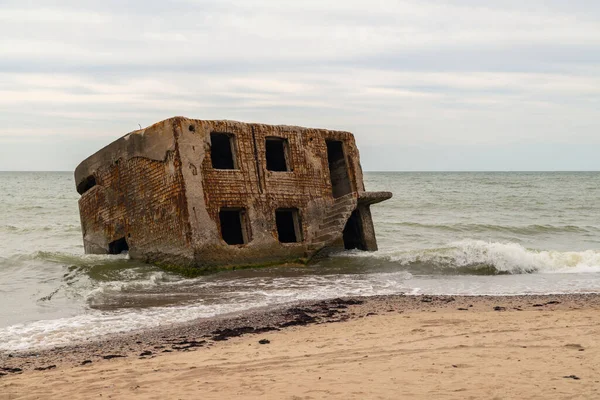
277, 154
86, 184
118, 246
338, 170
353, 233
222, 151
289, 229
233, 226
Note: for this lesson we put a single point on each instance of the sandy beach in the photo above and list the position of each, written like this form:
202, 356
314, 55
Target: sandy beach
383, 347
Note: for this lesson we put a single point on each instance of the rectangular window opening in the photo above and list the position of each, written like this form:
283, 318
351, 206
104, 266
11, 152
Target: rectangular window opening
338, 170
222, 151
233, 226
277, 154
119, 246
289, 228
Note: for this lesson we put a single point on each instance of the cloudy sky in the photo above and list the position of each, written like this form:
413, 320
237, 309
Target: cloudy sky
424, 85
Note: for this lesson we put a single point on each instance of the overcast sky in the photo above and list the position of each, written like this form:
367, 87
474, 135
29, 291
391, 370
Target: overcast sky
424, 85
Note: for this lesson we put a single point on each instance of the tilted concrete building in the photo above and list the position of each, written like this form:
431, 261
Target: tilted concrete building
206, 194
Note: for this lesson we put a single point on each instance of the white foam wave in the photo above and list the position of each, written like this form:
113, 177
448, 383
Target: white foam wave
94, 323
130, 281
20, 258
503, 257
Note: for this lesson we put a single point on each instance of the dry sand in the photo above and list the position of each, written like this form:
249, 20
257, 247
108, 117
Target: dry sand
383, 349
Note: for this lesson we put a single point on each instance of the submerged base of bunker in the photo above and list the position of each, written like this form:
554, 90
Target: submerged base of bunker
218, 194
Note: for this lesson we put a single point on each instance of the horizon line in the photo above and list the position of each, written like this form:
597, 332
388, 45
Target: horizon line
401, 171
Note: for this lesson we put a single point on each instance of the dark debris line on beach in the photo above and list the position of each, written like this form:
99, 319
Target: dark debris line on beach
205, 333
196, 336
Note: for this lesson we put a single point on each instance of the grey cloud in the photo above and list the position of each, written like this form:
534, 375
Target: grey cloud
446, 77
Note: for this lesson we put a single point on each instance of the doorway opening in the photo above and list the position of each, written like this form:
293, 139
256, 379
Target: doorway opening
233, 226
119, 246
289, 229
354, 237
338, 170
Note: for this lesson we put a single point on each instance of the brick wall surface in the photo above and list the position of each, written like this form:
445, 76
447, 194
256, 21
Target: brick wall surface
140, 199
260, 191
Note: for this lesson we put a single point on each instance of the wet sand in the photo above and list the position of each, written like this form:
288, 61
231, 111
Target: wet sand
380, 347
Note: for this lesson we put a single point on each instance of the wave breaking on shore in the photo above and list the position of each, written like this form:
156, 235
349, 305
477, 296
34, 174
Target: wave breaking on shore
488, 258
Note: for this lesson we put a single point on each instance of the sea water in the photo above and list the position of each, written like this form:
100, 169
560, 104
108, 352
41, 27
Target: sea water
474, 233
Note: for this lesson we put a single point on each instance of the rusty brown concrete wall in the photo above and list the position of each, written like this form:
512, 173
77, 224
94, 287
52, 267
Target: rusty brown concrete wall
139, 198
157, 188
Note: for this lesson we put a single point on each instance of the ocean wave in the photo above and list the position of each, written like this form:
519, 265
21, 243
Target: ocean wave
519, 230
60, 228
66, 258
128, 281
96, 323
77, 264
76, 259
480, 257
63, 331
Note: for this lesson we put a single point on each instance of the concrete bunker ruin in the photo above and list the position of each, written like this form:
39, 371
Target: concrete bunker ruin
206, 194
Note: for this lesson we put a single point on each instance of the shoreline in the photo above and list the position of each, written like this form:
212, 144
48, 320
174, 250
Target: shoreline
206, 333
388, 347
